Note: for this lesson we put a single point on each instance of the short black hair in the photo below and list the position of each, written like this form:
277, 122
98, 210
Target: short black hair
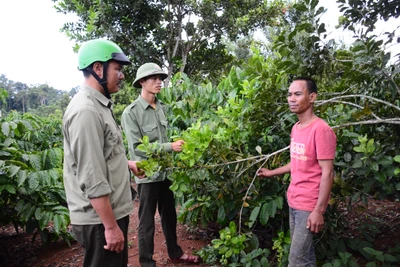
86, 73
311, 85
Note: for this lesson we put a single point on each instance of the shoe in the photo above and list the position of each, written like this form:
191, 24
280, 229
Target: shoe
190, 259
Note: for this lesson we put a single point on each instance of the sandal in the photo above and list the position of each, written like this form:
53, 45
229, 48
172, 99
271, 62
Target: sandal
190, 259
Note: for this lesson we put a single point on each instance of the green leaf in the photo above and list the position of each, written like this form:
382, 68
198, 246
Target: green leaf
264, 215
374, 166
221, 214
370, 146
235, 240
313, 4
33, 181
254, 215
57, 221
36, 161
355, 197
357, 164
60, 210
291, 35
175, 185
8, 142
390, 258
223, 249
38, 213
255, 263
279, 202
304, 26
183, 188
45, 219
5, 128
301, 7
347, 157
359, 149
385, 161
27, 211
13, 170
264, 262
321, 28
216, 243
232, 227
398, 185
271, 209
8, 187
370, 250
229, 253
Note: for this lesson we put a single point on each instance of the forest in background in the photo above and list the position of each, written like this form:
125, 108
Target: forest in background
226, 96
42, 100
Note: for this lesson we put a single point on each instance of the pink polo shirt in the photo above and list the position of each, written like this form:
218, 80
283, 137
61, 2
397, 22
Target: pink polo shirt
316, 141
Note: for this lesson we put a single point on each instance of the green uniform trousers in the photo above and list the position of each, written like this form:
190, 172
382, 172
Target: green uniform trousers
91, 238
151, 196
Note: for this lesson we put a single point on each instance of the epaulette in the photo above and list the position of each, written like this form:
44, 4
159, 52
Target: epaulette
133, 104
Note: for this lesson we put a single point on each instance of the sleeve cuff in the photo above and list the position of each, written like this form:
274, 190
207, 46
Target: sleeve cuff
99, 190
167, 147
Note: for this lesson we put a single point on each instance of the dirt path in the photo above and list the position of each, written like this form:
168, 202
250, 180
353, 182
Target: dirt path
17, 250
61, 255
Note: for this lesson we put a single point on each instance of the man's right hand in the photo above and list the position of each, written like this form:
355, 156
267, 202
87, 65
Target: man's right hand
136, 171
115, 239
263, 172
177, 145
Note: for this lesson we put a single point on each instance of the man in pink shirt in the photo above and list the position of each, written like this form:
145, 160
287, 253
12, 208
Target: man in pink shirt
312, 152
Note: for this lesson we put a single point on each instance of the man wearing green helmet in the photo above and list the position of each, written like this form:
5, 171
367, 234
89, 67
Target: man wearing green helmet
96, 170
146, 117
103, 52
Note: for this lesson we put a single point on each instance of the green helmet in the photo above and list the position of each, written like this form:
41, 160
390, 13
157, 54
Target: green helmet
100, 50
148, 69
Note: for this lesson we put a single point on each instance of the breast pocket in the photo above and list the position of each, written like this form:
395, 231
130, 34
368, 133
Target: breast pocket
164, 123
151, 131
114, 143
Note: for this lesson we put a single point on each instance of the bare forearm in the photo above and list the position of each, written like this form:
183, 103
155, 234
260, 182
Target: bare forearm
281, 170
324, 191
113, 234
103, 208
263, 172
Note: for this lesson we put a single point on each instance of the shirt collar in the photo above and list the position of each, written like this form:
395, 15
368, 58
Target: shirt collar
146, 104
96, 94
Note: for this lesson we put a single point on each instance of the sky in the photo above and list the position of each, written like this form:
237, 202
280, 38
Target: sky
32, 48
34, 51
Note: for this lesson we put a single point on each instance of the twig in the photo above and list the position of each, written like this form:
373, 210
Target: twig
357, 106
265, 158
359, 96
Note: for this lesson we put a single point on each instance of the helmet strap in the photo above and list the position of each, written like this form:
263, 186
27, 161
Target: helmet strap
102, 81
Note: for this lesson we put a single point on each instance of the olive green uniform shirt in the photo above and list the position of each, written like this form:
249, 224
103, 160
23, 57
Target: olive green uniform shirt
140, 119
95, 163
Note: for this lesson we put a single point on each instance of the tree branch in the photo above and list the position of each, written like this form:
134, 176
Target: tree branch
358, 96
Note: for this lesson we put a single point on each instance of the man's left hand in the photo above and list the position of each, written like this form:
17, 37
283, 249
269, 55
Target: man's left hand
177, 145
315, 222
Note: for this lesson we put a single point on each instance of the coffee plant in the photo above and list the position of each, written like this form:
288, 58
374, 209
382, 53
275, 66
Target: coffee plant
32, 195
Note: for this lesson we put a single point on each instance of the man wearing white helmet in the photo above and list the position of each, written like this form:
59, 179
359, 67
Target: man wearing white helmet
146, 117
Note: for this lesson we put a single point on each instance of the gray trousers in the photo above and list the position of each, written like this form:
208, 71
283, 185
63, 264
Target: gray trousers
151, 196
302, 246
91, 238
